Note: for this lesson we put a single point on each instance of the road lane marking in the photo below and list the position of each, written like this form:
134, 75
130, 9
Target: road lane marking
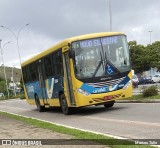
15, 107
124, 121
10, 100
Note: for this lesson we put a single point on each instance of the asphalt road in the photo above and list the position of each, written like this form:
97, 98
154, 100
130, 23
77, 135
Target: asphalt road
128, 120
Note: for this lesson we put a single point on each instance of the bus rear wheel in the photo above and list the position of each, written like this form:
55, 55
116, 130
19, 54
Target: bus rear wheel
39, 107
109, 104
64, 106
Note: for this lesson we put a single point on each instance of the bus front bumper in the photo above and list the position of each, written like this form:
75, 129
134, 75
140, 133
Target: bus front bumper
95, 99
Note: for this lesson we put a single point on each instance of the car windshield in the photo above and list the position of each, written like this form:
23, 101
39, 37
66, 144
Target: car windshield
101, 56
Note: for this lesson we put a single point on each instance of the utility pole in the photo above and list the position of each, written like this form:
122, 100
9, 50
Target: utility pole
150, 36
110, 15
14, 84
1, 48
16, 36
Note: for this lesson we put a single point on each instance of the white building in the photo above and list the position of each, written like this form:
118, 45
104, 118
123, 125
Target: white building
152, 72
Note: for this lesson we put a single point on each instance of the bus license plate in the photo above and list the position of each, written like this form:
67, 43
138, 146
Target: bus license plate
108, 98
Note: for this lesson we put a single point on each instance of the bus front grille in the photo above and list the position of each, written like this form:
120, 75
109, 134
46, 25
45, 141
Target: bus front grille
106, 83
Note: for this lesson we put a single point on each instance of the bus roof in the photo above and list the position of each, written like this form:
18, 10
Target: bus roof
65, 43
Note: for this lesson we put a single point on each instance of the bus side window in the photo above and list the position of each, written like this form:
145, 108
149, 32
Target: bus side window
28, 76
57, 63
24, 74
33, 72
48, 66
53, 64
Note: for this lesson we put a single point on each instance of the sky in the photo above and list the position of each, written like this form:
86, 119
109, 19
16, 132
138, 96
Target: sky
51, 21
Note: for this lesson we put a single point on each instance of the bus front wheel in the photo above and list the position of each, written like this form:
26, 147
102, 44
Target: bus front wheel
39, 107
64, 106
109, 104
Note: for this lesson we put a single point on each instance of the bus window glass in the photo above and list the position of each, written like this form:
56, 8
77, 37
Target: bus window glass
101, 56
33, 71
24, 74
28, 74
57, 63
48, 66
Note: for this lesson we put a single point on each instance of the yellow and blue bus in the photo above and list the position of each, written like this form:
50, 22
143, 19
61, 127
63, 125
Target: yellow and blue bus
92, 69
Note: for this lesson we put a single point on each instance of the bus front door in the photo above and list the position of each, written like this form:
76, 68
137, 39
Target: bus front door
42, 85
68, 79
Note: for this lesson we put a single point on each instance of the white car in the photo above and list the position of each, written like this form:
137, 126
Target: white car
156, 78
135, 81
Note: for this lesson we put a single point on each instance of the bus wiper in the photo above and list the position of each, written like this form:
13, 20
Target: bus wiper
99, 65
106, 60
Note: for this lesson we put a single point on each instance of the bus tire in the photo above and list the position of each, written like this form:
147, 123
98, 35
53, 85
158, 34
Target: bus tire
39, 107
109, 104
64, 106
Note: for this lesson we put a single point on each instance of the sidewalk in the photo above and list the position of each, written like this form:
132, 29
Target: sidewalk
14, 129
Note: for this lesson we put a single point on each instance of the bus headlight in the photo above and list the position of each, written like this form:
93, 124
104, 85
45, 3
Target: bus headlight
85, 93
127, 85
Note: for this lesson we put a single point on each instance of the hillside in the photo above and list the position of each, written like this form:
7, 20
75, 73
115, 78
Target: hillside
16, 73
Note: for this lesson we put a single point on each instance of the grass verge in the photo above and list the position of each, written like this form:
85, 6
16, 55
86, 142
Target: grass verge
21, 96
78, 134
141, 97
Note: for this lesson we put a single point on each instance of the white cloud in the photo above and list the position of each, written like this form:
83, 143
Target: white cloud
30, 44
52, 21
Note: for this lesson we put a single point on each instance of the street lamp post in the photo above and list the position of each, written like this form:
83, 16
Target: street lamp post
14, 84
1, 48
110, 15
150, 36
16, 37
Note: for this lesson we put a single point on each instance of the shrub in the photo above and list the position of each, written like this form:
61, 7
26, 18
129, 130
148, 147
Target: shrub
150, 91
22, 96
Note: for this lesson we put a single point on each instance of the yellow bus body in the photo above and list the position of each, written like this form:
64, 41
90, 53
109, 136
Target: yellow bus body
80, 100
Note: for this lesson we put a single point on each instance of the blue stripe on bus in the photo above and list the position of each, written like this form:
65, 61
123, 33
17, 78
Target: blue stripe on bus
94, 90
51, 90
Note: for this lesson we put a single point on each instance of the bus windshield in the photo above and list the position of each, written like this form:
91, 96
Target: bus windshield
100, 57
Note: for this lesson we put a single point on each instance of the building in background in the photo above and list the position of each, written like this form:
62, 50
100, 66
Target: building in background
13, 76
152, 72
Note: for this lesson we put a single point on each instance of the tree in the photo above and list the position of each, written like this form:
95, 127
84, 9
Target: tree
139, 57
3, 88
154, 52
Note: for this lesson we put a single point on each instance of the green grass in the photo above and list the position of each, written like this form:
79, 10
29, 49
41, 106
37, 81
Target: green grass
2, 99
21, 96
77, 134
141, 97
